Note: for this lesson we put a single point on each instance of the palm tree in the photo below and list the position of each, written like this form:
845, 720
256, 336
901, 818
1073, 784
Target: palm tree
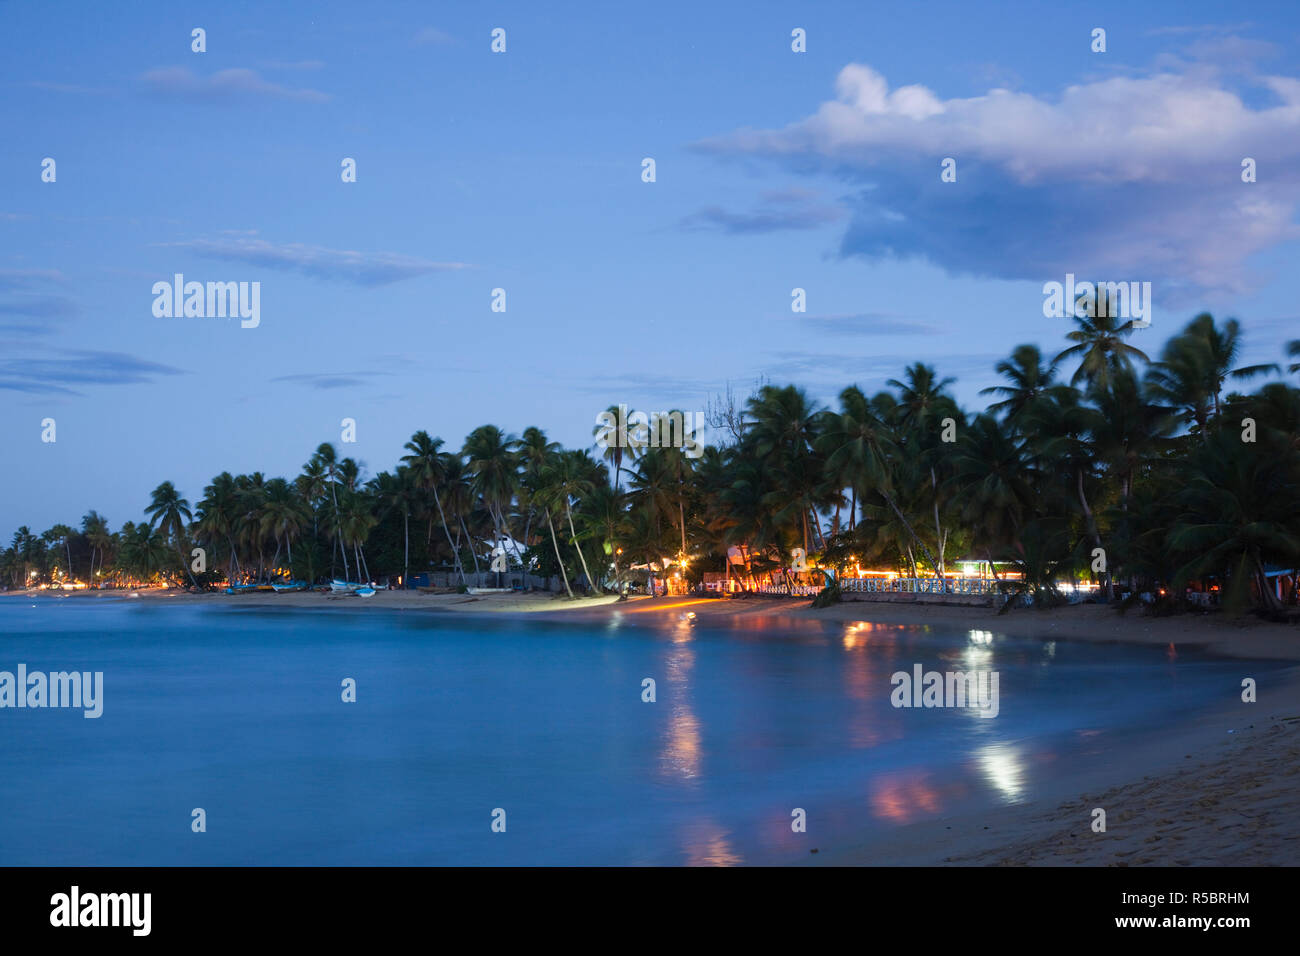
398, 492
170, 512
1062, 434
1030, 380
355, 524
1194, 366
604, 513
325, 459
1100, 346
1231, 518
494, 475
30, 550
429, 469
565, 482
1129, 431
784, 430
95, 529
144, 550
219, 516
536, 453
924, 406
251, 498
995, 473
858, 443
617, 450
458, 499
63, 534
283, 515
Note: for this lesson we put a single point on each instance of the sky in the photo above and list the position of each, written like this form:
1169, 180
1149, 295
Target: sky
522, 170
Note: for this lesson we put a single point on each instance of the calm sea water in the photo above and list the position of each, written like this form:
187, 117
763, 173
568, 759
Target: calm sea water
239, 712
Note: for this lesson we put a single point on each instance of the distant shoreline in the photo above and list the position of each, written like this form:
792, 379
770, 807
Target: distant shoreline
1246, 637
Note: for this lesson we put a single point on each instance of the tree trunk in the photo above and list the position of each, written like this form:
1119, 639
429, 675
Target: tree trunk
938, 527
919, 543
473, 553
618, 577
528, 527
993, 568
1096, 535
591, 585
681, 515
513, 543
455, 551
1266, 594
556, 545
338, 528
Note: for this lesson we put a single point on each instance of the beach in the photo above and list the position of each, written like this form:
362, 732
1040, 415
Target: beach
1219, 790
1245, 637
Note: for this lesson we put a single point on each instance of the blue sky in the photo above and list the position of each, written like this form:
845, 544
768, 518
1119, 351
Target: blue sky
522, 170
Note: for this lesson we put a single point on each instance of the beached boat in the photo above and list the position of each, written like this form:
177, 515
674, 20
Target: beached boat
291, 586
364, 592
242, 589
488, 590
351, 587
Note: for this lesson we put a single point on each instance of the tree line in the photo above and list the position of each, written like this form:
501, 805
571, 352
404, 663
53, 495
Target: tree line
1163, 466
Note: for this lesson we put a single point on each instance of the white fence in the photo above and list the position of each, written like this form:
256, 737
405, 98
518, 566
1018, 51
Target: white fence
919, 585
975, 586
798, 590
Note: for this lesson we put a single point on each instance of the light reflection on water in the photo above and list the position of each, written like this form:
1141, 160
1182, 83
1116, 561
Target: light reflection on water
456, 716
707, 844
682, 749
1002, 767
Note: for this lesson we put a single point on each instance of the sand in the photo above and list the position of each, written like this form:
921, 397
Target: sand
1245, 637
1222, 791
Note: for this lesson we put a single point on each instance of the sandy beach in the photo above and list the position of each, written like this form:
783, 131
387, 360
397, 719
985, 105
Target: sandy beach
1221, 791
1245, 637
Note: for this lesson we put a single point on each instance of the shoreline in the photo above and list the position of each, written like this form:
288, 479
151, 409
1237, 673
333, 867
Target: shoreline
1220, 790
1244, 637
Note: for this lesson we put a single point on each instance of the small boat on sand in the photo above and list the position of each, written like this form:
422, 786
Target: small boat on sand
352, 587
291, 586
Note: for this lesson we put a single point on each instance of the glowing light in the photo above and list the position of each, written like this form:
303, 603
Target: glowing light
1002, 768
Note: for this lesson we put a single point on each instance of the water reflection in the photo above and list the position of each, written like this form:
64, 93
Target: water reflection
1004, 769
977, 658
708, 845
905, 796
864, 677
682, 749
